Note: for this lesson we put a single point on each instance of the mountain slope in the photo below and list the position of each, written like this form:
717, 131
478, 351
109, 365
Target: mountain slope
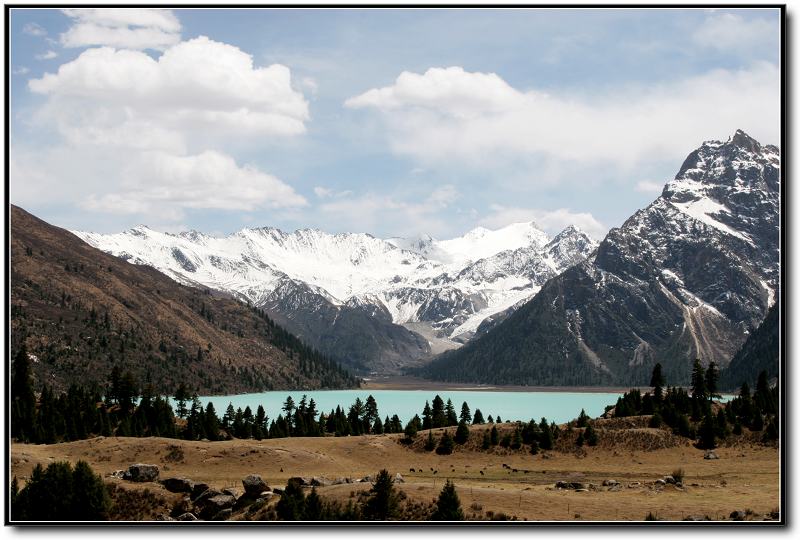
759, 353
365, 300
683, 278
80, 312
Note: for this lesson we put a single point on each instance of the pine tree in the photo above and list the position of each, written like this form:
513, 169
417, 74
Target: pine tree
712, 376
707, 440
377, 427
462, 432
427, 417
292, 504
657, 382
429, 444
438, 417
445, 444
384, 501
590, 435
494, 436
181, 397
583, 419
491, 421
698, 381
410, 431
23, 400
478, 417
313, 506
465, 415
448, 505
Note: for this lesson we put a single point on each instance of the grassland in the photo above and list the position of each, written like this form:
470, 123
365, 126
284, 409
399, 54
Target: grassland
489, 483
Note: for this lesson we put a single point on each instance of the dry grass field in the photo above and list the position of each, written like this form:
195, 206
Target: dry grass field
501, 481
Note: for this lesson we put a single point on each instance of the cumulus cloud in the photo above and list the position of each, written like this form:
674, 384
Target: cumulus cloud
139, 28
209, 180
477, 118
34, 29
731, 32
123, 95
49, 55
551, 221
648, 186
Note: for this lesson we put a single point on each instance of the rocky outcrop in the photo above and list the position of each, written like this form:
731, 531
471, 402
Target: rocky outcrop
141, 472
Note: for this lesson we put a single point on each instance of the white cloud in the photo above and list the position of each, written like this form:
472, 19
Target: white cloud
20, 70
731, 32
326, 193
210, 180
49, 55
34, 29
198, 87
139, 28
648, 186
478, 119
551, 221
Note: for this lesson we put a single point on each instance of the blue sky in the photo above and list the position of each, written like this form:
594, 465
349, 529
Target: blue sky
390, 121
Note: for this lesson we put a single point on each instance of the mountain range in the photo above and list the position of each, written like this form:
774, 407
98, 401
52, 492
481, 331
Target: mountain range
689, 276
379, 305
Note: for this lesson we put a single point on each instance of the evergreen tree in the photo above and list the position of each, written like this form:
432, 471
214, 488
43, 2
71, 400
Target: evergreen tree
499, 420
465, 415
313, 510
450, 414
462, 432
61, 493
657, 382
712, 377
699, 392
384, 501
370, 411
292, 504
491, 421
181, 397
445, 444
448, 506
707, 439
377, 427
545, 435
410, 431
583, 419
427, 417
23, 400
494, 436
580, 440
429, 444
486, 442
590, 435
478, 417
438, 417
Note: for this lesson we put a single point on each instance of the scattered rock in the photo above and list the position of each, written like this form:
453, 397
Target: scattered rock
610, 482
581, 490
232, 492
660, 482
222, 515
398, 478
571, 485
117, 474
277, 491
207, 494
198, 489
634, 484
188, 516
738, 515
320, 481
254, 485
212, 506
300, 480
710, 455
670, 479
178, 485
141, 472
342, 480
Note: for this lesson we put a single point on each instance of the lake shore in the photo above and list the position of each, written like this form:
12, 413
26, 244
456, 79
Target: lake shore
414, 383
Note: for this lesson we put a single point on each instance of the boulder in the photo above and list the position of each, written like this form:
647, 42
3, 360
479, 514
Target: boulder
178, 485
320, 481
212, 506
222, 515
188, 516
300, 480
342, 480
141, 472
207, 494
660, 482
669, 479
277, 491
610, 482
738, 515
710, 455
254, 485
232, 492
570, 485
398, 478
198, 489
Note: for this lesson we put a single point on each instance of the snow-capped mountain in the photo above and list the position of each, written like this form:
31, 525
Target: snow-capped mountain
325, 286
687, 277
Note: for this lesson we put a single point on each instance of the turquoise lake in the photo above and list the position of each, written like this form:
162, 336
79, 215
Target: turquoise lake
555, 406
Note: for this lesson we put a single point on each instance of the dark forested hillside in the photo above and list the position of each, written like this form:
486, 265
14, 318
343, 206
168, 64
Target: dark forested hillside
80, 312
759, 353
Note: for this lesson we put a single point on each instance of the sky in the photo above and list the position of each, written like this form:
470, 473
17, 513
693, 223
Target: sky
395, 122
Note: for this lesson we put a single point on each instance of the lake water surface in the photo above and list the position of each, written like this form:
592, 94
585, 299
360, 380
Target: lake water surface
555, 406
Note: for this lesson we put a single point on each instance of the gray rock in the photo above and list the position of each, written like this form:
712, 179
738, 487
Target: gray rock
277, 491
581, 490
610, 482
198, 489
141, 472
222, 515
570, 485
738, 515
165, 517
207, 494
212, 506
117, 474
232, 492
254, 485
300, 480
188, 516
398, 478
342, 480
660, 482
669, 480
320, 481
178, 485
710, 455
